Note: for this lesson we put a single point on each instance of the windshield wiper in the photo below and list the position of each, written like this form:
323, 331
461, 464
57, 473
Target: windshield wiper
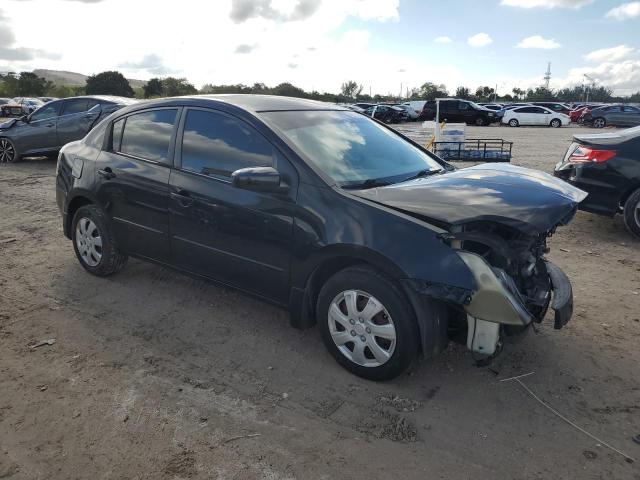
369, 183
422, 173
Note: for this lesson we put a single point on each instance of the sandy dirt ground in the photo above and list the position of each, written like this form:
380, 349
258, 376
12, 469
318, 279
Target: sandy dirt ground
156, 375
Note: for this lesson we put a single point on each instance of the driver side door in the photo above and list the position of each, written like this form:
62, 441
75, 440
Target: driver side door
239, 237
38, 134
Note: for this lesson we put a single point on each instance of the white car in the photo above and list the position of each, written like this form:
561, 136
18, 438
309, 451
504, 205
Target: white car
534, 115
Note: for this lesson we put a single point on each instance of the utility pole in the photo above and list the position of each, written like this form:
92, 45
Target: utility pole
589, 88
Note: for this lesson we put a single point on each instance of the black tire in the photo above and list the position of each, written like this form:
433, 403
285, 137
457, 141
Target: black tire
375, 284
480, 122
8, 151
599, 122
514, 123
632, 213
555, 123
112, 260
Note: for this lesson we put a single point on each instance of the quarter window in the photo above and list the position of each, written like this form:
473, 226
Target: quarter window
148, 135
216, 144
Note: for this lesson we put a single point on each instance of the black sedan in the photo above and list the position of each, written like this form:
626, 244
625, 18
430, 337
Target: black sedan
56, 123
607, 166
326, 212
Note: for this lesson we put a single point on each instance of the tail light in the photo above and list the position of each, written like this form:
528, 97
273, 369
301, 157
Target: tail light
590, 155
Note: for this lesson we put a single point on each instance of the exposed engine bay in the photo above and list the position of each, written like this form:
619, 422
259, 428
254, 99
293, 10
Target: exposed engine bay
515, 282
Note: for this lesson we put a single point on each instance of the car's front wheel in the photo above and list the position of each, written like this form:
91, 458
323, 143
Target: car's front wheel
367, 323
555, 123
632, 213
8, 151
94, 244
514, 123
599, 123
480, 122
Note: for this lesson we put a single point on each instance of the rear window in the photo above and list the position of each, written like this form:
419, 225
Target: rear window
148, 134
76, 105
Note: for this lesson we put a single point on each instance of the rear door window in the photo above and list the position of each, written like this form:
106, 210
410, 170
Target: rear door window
147, 135
217, 144
75, 105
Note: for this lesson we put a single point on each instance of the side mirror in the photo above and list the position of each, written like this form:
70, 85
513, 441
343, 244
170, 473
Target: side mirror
26, 118
258, 179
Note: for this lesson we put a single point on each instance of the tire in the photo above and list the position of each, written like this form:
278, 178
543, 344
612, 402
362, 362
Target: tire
8, 151
514, 123
599, 122
632, 213
480, 122
89, 224
555, 123
355, 333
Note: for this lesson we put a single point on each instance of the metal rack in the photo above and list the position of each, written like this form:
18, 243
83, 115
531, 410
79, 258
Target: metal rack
475, 150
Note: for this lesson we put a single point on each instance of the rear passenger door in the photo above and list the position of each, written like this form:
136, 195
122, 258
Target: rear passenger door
77, 117
240, 237
132, 178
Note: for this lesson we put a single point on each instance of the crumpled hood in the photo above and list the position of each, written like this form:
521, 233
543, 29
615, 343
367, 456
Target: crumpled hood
8, 124
526, 199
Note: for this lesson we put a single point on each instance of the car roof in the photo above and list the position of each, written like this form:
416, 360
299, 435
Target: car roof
265, 103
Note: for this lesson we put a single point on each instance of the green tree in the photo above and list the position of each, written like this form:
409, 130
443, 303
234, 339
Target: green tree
153, 88
518, 93
485, 94
463, 93
351, 89
173, 87
429, 91
288, 90
109, 83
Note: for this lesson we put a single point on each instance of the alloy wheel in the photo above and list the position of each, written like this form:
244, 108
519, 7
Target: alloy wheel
7, 151
89, 241
636, 214
361, 328
513, 123
555, 123
599, 123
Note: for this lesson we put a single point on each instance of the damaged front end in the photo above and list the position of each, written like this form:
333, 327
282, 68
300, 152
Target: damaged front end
515, 283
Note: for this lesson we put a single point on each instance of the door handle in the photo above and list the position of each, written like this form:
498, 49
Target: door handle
49, 125
107, 173
183, 197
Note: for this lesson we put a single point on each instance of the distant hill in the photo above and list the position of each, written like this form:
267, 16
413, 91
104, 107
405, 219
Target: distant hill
73, 79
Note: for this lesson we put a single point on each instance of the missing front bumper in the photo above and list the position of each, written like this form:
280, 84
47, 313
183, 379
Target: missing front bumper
494, 301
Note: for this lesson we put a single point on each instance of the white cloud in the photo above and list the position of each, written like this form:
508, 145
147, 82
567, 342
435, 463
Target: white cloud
623, 77
442, 40
480, 40
625, 11
536, 41
546, 3
612, 54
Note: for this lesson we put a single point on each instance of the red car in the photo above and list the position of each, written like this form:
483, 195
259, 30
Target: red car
576, 113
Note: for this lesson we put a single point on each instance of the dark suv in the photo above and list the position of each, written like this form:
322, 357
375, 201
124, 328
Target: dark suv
325, 211
462, 111
46, 130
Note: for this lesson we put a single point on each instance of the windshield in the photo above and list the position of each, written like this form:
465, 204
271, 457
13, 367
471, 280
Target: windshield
350, 148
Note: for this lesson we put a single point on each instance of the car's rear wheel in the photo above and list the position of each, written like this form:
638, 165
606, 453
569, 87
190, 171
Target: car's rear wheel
632, 213
8, 151
555, 123
367, 323
94, 244
480, 122
599, 123
514, 123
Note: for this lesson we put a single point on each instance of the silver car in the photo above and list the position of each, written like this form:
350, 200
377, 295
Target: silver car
55, 124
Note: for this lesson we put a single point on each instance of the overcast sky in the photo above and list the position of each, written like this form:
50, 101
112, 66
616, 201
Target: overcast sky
318, 44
